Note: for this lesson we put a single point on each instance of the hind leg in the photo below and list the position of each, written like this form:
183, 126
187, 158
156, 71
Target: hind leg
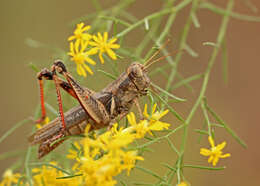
48, 75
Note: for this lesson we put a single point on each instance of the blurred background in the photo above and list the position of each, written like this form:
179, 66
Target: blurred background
237, 101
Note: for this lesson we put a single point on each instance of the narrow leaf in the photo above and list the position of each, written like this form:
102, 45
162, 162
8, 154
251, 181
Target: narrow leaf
150, 172
187, 80
167, 93
203, 167
107, 74
228, 129
190, 51
225, 61
11, 130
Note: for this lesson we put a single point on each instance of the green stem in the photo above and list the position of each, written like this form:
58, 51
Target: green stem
181, 47
152, 16
220, 37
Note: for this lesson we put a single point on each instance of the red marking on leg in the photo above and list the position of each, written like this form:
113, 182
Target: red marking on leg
60, 103
42, 102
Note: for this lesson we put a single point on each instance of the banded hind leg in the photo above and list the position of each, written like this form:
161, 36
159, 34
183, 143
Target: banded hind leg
48, 75
92, 106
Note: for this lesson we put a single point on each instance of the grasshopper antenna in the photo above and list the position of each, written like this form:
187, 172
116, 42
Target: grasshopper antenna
159, 59
157, 52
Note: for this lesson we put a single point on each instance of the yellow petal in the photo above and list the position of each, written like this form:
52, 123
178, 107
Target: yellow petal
145, 111
154, 108
90, 61
211, 141
95, 39
205, 152
92, 51
80, 25
158, 125
115, 46
225, 155
221, 146
111, 41
100, 37
76, 46
86, 28
82, 71
105, 36
111, 53
101, 57
76, 145
131, 118
84, 45
92, 43
87, 68
163, 113
72, 48
215, 161
71, 38
78, 70
210, 159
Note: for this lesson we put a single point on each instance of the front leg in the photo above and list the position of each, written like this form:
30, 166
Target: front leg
139, 109
121, 116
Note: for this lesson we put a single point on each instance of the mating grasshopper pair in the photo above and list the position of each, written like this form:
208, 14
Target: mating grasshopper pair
100, 109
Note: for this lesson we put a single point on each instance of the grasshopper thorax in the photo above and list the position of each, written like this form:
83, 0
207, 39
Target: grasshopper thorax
138, 75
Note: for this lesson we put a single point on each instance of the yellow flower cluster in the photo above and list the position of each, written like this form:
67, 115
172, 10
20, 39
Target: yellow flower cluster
83, 45
105, 156
47, 175
9, 178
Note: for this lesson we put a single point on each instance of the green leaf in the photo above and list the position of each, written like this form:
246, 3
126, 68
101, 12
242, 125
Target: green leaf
70, 176
169, 167
190, 51
218, 10
204, 132
167, 93
203, 167
107, 74
195, 20
210, 44
50, 165
225, 61
11, 130
150, 172
228, 129
34, 67
187, 80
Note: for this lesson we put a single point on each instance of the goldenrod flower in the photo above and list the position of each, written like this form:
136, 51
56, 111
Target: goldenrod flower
75, 152
79, 34
102, 44
105, 157
215, 152
80, 56
9, 178
47, 176
140, 128
129, 159
46, 121
183, 183
154, 117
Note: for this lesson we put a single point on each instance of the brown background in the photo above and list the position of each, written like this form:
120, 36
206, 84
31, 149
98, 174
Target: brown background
237, 102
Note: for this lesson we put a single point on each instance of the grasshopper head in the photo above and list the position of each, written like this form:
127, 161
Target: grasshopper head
138, 75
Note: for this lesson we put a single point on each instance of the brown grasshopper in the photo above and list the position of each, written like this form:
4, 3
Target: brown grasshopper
100, 109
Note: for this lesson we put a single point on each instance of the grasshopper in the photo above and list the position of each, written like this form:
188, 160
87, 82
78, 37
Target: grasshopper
99, 109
